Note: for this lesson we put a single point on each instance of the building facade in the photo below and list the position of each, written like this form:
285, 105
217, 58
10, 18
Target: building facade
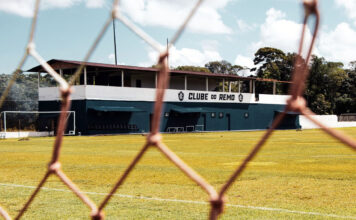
119, 99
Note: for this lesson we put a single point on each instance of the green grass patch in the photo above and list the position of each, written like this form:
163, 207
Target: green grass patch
305, 171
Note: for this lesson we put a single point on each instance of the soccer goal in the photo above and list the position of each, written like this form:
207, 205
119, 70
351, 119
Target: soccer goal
18, 124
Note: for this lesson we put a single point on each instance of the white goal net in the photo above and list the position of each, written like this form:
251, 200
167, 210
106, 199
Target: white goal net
18, 124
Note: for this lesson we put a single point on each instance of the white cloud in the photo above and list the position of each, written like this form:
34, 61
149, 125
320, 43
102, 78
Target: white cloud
25, 8
95, 3
185, 56
170, 14
111, 58
244, 27
19, 7
277, 32
244, 61
338, 44
350, 7
162, 13
280, 33
209, 45
335, 45
58, 3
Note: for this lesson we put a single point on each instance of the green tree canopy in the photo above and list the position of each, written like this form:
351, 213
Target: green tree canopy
23, 94
193, 69
223, 67
326, 87
274, 64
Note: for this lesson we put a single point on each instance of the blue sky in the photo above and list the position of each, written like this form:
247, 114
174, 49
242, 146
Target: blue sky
222, 29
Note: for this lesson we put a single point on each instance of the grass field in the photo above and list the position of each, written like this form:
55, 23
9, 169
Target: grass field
298, 175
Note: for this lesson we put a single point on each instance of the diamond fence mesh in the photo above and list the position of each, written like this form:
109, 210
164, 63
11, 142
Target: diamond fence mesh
296, 103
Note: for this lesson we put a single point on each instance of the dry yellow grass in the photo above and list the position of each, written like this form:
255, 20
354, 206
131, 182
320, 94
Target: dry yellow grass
304, 171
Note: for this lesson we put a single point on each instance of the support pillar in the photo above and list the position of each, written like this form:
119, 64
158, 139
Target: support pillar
274, 87
254, 86
185, 83
38, 79
206, 84
229, 86
85, 76
122, 78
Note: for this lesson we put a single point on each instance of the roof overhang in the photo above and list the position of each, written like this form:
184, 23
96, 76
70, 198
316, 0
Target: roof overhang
70, 64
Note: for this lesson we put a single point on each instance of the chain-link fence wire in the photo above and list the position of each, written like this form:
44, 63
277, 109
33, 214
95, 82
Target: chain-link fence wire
295, 103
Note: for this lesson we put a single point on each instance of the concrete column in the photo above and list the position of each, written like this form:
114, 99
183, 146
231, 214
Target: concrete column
239, 86
122, 78
85, 76
185, 83
250, 86
207, 83
274, 87
38, 79
229, 86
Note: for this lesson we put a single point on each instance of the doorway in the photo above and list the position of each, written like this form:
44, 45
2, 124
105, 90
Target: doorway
228, 121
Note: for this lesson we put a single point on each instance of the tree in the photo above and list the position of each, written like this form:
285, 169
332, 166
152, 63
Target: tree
273, 64
23, 94
320, 105
346, 102
223, 67
327, 85
193, 69
235, 69
270, 60
335, 77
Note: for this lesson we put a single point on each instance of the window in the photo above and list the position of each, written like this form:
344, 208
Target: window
221, 114
213, 115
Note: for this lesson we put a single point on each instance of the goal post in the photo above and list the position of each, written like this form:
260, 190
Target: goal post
34, 123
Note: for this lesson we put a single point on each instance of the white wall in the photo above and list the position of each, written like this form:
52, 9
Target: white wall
91, 92
23, 134
328, 120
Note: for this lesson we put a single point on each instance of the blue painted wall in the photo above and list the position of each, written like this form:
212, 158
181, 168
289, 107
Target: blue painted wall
216, 116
